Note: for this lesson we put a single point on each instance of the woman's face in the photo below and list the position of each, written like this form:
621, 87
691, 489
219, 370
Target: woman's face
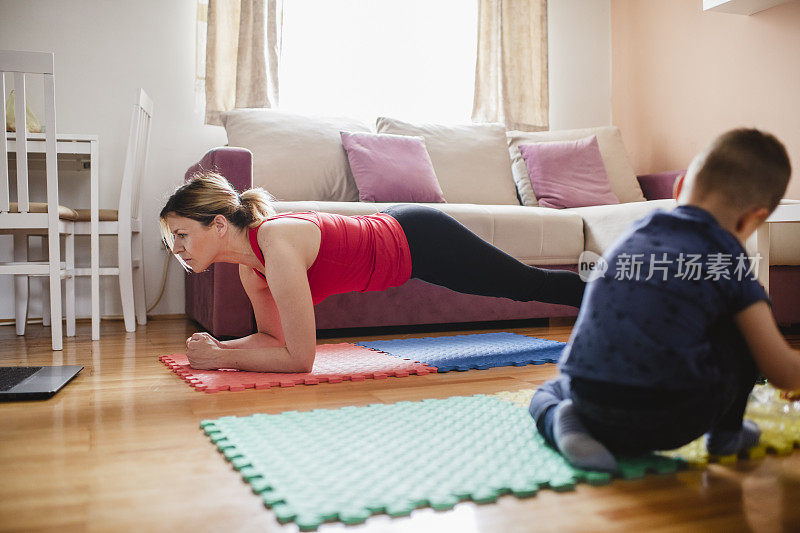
194, 242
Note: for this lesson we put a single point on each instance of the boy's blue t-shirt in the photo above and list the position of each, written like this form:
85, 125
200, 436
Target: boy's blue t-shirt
656, 332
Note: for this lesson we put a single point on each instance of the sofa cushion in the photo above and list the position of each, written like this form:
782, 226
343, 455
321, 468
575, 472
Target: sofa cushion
391, 168
471, 160
620, 172
568, 173
784, 242
602, 224
295, 157
533, 235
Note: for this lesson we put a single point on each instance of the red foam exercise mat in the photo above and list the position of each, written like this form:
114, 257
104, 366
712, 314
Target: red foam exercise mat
334, 363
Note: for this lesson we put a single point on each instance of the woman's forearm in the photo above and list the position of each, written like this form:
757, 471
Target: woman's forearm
255, 341
263, 359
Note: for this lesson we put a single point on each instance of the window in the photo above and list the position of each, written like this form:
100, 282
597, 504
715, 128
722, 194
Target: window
408, 59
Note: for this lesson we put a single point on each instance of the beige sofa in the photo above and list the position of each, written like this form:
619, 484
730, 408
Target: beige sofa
300, 160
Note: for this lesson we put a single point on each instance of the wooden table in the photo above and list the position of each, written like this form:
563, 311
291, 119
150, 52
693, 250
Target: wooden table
86, 145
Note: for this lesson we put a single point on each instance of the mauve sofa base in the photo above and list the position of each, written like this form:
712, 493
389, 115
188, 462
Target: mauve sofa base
416, 302
220, 312
785, 280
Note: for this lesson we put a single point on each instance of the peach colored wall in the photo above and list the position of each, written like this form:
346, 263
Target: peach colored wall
681, 76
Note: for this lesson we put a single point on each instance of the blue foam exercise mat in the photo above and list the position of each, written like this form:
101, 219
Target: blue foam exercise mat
480, 350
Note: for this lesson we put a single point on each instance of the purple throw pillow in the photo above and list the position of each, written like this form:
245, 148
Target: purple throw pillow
568, 173
391, 168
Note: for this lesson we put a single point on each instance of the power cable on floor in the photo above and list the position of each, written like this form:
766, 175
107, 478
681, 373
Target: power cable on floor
163, 280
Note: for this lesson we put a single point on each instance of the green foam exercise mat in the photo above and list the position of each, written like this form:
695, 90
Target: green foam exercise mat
347, 464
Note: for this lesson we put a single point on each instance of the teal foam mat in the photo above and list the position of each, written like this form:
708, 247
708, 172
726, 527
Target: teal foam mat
347, 464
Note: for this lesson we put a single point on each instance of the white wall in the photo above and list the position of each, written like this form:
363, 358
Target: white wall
105, 49
579, 42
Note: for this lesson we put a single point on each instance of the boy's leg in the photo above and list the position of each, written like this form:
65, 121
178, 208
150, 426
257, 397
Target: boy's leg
543, 404
558, 422
446, 253
577, 444
730, 434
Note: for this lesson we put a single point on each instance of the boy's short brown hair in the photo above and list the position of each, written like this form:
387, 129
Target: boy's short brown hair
748, 167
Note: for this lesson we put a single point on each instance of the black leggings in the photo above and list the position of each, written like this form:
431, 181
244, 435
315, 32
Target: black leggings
446, 253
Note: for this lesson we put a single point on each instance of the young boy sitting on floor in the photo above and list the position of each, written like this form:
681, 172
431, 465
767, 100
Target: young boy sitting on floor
670, 340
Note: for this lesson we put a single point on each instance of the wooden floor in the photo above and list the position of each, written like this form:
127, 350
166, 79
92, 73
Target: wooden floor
119, 449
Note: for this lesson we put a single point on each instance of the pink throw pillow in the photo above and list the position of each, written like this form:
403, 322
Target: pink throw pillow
391, 168
568, 173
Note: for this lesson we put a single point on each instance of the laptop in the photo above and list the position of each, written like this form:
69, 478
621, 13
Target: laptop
34, 382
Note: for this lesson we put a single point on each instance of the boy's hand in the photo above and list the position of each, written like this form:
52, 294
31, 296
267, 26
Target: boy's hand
776, 360
202, 350
791, 395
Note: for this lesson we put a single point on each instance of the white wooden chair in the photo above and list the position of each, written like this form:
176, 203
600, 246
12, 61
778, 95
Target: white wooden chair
126, 222
24, 218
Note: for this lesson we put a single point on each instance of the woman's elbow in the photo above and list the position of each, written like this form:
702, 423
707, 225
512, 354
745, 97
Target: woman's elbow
305, 367
305, 361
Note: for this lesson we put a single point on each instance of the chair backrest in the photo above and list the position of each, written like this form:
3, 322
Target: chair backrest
19, 65
130, 199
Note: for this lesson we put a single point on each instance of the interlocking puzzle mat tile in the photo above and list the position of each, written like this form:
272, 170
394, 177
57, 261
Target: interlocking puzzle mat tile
333, 363
521, 398
346, 464
480, 350
778, 419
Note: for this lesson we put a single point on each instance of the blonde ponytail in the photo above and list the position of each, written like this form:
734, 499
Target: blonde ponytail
208, 194
258, 204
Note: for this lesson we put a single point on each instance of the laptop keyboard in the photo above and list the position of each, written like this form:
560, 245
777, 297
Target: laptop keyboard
12, 375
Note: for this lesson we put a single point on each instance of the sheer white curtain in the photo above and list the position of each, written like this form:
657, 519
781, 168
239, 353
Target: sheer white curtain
511, 73
417, 60
242, 55
409, 59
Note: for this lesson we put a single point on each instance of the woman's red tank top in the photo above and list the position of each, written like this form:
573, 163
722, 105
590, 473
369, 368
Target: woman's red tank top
356, 253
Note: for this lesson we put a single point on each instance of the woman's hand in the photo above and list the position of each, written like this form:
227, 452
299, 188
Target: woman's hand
202, 350
203, 334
